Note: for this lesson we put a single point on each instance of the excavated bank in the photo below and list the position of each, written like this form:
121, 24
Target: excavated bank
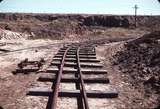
139, 61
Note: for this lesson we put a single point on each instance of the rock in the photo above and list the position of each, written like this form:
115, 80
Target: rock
151, 80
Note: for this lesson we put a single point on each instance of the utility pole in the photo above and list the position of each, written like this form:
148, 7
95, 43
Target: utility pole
135, 7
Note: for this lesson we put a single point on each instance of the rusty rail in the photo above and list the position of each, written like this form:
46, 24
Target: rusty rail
56, 89
74, 56
83, 91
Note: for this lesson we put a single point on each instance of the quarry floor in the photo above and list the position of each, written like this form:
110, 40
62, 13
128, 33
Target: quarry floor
13, 88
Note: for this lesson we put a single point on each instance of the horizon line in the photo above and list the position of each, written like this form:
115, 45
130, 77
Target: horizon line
67, 13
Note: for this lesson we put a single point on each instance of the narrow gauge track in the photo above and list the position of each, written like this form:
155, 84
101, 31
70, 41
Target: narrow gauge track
78, 60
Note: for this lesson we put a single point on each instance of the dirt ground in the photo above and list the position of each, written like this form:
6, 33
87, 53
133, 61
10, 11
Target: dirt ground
13, 88
129, 96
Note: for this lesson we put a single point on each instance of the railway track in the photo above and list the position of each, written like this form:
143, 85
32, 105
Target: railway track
76, 64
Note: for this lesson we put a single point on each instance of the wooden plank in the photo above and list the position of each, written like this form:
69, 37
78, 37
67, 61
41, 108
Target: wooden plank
68, 51
73, 93
73, 60
72, 70
74, 56
83, 64
73, 53
46, 78
25, 71
90, 94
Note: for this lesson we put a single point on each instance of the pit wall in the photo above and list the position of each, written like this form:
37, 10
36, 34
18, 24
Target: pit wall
70, 24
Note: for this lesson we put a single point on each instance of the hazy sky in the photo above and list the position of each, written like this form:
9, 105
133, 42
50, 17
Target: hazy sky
146, 7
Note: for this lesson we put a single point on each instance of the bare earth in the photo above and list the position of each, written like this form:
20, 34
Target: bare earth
129, 97
13, 88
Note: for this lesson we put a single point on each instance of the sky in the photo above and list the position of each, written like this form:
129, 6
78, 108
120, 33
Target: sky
120, 7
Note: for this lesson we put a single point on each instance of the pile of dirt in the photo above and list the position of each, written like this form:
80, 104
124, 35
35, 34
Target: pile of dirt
140, 62
9, 35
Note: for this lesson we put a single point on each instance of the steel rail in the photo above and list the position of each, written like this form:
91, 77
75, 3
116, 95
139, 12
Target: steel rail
83, 90
59, 77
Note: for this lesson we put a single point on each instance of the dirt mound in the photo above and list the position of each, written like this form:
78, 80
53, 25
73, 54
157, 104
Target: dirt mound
9, 35
140, 61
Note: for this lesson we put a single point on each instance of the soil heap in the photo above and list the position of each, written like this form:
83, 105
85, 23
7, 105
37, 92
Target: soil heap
140, 61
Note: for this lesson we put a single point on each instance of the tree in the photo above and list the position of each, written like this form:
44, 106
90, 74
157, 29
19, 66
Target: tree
1, 0
159, 1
